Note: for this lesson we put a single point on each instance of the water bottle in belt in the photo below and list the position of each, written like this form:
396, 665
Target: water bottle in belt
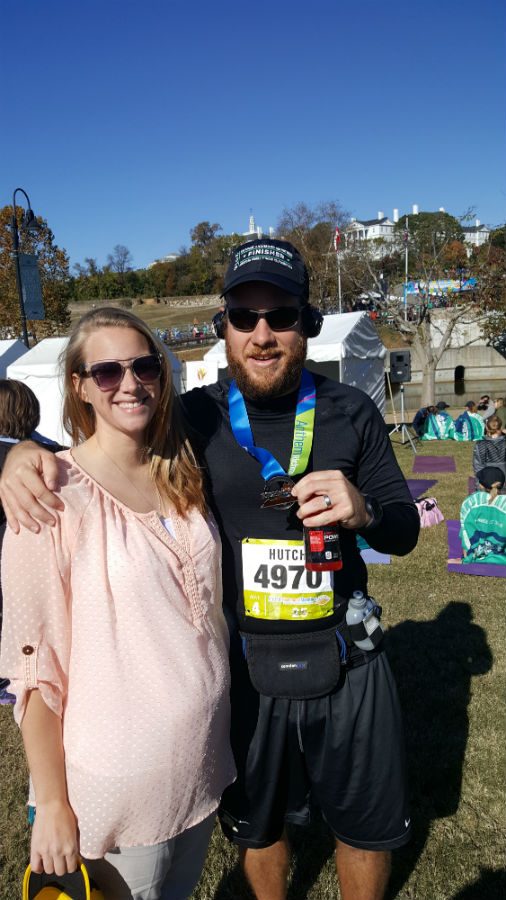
363, 622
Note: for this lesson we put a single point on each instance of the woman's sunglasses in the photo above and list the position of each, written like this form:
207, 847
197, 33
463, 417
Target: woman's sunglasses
109, 374
281, 318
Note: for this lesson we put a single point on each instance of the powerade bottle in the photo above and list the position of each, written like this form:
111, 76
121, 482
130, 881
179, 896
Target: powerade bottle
361, 612
322, 549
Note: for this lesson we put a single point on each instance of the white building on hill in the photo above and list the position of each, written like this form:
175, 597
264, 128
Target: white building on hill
381, 229
476, 235
255, 231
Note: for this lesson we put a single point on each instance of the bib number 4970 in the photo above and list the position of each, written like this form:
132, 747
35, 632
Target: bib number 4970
279, 577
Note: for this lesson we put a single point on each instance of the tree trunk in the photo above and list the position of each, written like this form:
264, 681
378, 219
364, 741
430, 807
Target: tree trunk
428, 383
423, 351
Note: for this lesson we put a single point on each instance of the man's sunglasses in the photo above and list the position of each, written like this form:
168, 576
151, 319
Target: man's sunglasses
281, 318
109, 374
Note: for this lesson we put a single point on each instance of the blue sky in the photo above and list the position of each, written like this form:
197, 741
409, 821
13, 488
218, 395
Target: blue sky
129, 122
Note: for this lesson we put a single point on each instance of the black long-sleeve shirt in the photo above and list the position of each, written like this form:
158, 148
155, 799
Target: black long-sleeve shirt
349, 435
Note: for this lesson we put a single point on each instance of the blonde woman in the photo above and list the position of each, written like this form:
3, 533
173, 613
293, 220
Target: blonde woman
114, 637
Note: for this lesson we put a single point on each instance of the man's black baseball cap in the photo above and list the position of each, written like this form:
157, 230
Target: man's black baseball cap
267, 259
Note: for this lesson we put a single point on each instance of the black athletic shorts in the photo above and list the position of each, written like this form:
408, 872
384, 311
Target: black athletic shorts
343, 753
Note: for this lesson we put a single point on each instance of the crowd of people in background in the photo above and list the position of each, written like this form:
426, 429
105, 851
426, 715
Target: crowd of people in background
434, 423
179, 335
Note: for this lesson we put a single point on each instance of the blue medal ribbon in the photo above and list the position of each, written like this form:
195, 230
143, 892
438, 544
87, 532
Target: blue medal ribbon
303, 431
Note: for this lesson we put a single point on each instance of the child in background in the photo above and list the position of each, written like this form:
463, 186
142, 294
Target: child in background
491, 451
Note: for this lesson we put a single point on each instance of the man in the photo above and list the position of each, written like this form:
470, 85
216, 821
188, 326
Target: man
304, 727
418, 423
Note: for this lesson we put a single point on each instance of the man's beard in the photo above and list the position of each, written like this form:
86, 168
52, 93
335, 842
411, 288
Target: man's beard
269, 385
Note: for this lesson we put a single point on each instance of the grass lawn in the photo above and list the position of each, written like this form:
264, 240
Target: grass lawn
159, 315
446, 645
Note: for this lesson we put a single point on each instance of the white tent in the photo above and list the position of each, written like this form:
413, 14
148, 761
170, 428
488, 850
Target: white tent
347, 349
39, 368
9, 352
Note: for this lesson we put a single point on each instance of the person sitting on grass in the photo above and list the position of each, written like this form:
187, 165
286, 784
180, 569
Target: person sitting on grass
491, 451
483, 520
486, 406
469, 426
438, 425
418, 423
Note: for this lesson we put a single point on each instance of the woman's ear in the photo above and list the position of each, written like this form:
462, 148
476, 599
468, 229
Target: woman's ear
80, 387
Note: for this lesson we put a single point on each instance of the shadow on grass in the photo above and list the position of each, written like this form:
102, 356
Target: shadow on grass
491, 885
433, 663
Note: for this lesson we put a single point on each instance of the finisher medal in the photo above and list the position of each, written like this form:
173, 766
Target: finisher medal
277, 493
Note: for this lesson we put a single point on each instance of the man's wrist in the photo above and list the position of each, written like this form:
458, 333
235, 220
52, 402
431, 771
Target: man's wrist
374, 512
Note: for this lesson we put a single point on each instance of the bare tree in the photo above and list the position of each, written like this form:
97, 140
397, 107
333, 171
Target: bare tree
120, 260
312, 230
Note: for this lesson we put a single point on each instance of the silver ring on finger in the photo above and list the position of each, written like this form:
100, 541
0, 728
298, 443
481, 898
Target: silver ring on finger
327, 501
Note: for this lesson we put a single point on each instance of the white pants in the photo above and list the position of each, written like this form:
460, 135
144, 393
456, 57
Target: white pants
166, 871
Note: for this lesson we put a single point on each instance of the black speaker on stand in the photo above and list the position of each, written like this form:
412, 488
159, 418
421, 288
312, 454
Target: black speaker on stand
400, 372
400, 366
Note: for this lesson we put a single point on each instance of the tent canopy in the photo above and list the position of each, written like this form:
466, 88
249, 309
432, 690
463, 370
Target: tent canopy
347, 349
9, 352
39, 368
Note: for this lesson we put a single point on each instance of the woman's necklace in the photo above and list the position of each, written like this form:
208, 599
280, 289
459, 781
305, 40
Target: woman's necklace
130, 481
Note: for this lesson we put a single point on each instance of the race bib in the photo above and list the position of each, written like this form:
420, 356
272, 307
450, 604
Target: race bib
277, 586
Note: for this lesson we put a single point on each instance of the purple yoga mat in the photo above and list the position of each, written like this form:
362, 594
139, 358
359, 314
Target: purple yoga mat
371, 556
434, 464
419, 486
455, 550
471, 484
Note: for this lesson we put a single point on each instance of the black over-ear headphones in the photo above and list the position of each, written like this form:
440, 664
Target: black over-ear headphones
218, 324
310, 317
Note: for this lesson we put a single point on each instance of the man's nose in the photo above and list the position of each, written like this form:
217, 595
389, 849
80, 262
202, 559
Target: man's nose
262, 333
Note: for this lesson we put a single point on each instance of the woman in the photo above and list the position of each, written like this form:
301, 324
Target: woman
438, 424
115, 641
491, 451
483, 520
469, 426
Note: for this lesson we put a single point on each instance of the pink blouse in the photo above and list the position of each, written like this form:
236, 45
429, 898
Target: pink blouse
120, 627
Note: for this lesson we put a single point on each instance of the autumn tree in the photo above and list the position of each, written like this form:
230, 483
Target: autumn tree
203, 235
498, 237
54, 276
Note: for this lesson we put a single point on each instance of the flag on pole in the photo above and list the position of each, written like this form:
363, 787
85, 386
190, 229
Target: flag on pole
337, 239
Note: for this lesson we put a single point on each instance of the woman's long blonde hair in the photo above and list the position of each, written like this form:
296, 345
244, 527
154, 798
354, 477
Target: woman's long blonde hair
173, 466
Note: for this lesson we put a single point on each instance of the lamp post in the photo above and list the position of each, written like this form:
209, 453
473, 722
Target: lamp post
406, 242
29, 223
337, 242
